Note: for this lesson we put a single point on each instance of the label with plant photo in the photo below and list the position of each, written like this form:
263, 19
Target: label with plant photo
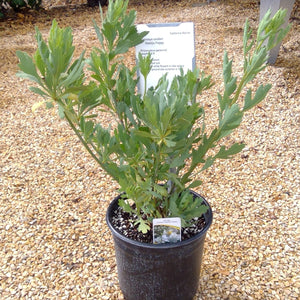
166, 230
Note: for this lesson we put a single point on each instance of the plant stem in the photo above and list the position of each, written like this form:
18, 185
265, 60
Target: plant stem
82, 140
88, 148
238, 91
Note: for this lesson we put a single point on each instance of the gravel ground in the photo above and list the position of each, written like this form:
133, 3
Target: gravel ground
54, 243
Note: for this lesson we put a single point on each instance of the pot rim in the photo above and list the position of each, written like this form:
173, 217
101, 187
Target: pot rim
208, 220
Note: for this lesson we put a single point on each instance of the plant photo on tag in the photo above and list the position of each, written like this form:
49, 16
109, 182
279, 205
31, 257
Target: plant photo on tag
166, 230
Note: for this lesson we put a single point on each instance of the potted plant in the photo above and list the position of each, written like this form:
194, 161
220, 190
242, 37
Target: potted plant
157, 143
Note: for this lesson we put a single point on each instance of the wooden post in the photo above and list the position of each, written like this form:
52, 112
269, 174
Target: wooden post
274, 5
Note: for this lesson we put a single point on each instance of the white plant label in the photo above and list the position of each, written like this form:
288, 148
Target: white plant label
172, 46
166, 230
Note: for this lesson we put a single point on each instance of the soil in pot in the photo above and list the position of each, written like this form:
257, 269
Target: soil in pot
123, 222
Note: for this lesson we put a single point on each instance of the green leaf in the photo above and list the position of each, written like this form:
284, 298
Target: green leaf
161, 190
38, 91
227, 68
174, 179
144, 64
40, 63
98, 33
143, 226
186, 207
260, 94
125, 205
179, 160
207, 143
230, 86
231, 119
61, 111
87, 128
208, 163
228, 153
195, 184
110, 34
75, 73
49, 104
27, 67
246, 37
264, 22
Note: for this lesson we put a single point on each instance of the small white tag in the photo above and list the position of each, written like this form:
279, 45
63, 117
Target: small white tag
166, 230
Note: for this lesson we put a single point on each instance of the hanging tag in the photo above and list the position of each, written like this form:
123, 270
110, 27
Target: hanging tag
166, 230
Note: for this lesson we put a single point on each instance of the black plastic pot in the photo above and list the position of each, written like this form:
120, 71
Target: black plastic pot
160, 271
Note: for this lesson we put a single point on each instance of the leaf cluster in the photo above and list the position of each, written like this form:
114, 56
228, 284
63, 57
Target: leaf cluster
160, 142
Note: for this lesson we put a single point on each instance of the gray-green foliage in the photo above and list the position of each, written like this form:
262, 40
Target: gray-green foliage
160, 141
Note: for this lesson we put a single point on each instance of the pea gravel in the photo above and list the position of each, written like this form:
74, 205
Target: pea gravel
54, 243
